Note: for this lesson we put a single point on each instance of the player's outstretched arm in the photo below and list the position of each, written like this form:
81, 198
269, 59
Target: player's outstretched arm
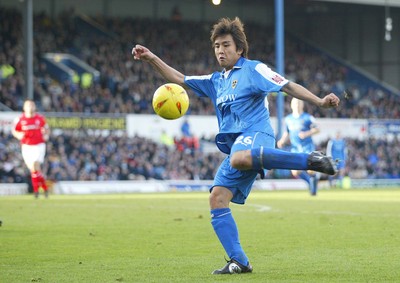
172, 75
46, 132
283, 140
17, 134
300, 92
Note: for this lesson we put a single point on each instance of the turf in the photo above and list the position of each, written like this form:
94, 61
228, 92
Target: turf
338, 236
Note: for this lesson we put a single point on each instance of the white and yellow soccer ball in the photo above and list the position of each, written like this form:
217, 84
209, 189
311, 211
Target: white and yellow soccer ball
170, 101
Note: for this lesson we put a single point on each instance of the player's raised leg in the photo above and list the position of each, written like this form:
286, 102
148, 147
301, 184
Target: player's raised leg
271, 158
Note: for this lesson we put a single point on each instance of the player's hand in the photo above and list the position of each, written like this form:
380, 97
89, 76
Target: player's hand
303, 135
330, 101
140, 52
19, 135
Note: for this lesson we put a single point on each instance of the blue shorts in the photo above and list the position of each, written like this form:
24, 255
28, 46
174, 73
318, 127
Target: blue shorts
340, 164
237, 181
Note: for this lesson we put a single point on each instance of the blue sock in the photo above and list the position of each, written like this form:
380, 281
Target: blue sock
316, 180
340, 180
305, 176
310, 179
271, 158
225, 227
330, 180
313, 185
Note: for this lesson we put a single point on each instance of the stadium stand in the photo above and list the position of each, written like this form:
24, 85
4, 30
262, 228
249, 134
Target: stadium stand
125, 87
88, 157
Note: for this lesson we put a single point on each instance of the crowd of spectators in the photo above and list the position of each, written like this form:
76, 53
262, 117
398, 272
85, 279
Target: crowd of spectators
87, 156
90, 156
127, 87
374, 158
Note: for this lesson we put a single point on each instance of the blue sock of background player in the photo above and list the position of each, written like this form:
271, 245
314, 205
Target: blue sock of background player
314, 178
309, 179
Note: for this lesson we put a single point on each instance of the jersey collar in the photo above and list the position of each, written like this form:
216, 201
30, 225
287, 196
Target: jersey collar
238, 65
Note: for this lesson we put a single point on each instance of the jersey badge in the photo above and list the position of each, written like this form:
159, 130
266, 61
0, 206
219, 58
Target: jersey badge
234, 83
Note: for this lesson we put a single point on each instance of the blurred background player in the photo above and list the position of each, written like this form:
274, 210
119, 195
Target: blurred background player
185, 128
32, 130
300, 127
337, 148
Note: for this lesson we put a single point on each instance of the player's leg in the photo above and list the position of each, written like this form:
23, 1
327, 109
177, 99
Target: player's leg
29, 154
313, 176
304, 176
331, 181
222, 219
334, 180
40, 178
33, 156
41, 151
271, 158
310, 177
233, 185
224, 224
340, 175
314, 179
40, 160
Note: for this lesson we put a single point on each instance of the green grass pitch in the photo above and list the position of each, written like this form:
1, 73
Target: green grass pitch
338, 236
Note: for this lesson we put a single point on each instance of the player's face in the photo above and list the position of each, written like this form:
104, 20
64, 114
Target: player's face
226, 51
29, 107
297, 105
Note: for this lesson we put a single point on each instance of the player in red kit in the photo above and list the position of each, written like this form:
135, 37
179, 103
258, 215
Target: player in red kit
32, 130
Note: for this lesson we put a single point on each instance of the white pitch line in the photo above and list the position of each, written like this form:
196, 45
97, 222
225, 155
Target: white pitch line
351, 213
261, 208
266, 208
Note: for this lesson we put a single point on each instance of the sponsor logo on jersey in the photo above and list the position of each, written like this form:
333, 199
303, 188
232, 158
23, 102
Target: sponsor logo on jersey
278, 79
226, 98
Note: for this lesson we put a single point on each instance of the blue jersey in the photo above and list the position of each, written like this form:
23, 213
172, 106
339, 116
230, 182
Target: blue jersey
338, 150
239, 98
294, 125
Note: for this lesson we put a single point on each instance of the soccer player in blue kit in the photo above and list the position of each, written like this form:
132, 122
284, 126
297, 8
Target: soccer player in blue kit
300, 127
337, 148
238, 93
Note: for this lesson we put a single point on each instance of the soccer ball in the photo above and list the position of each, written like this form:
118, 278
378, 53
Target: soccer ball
170, 101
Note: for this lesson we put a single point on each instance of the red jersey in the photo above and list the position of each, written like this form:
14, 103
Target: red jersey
33, 129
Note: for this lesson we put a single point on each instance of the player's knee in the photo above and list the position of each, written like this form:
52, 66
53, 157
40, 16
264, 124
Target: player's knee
220, 197
295, 173
212, 200
241, 160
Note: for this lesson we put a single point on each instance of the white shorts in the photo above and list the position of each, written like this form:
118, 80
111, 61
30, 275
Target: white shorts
33, 153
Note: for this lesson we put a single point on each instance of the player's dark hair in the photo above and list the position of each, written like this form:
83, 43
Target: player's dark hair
233, 27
